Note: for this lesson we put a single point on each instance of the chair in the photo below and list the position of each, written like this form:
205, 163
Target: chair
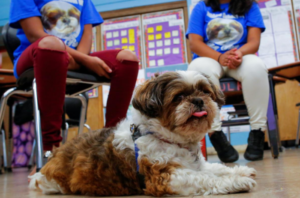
77, 83
72, 108
289, 71
231, 87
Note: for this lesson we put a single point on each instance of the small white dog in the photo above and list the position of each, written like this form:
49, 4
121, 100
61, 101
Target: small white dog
172, 114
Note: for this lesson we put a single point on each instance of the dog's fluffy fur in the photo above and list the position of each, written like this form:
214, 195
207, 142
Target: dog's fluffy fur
103, 162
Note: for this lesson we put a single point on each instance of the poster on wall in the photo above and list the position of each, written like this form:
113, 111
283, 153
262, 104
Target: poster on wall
94, 92
278, 43
297, 16
164, 38
123, 33
94, 41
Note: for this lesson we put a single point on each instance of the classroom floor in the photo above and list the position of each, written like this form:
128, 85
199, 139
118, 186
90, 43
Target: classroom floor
278, 178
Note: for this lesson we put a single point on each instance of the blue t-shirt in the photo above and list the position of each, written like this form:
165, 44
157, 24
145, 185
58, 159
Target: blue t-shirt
223, 31
62, 18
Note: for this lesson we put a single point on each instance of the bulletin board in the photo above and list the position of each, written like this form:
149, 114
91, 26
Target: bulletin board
123, 33
278, 44
297, 17
164, 38
93, 93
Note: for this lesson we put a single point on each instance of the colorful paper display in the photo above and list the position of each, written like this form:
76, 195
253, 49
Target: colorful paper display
164, 38
278, 44
123, 33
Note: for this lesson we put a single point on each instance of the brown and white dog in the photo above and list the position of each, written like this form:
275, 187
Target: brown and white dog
173, 112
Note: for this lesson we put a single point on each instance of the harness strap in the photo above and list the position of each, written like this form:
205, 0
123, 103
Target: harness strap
135, 135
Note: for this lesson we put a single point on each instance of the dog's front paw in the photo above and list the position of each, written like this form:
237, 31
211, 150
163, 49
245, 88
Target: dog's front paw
244, 171
233, 184
242, 184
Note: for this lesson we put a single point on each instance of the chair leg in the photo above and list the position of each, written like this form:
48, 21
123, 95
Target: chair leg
9, 152
4, 100
83, 111
272, 129
228, 134
298, 130
65, 133
3, 103
4, 149
38, 129
1, 153
30, 163
88, 127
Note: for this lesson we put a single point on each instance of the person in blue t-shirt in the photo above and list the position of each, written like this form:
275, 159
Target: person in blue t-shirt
224, 36
56, 36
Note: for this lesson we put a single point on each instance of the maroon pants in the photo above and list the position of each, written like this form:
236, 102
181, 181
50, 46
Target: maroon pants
50, 69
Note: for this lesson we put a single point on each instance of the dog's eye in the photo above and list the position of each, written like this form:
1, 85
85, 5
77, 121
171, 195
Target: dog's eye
206, 91
178, 98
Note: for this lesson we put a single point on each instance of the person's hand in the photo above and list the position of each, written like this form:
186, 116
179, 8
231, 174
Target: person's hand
98, 66
235, 61
73, 65
224, 58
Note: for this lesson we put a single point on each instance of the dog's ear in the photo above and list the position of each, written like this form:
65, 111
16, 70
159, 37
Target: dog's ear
218, 95
149, 96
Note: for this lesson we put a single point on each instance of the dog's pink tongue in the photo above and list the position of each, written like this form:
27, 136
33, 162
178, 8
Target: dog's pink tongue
200, 114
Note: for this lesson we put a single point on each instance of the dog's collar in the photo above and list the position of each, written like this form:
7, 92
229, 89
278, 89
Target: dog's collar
180, 145
136, 134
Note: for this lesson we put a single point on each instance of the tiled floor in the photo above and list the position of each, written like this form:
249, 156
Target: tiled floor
278, 178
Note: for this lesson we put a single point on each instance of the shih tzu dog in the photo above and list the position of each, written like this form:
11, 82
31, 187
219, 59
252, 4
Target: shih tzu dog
60, 18
156, 153
224, 32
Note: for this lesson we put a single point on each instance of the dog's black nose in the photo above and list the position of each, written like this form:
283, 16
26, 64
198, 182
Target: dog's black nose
66, 20
227, 31
198, 102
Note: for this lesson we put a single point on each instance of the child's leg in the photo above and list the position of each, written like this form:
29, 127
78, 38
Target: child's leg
253, 75
124, 65
50, 60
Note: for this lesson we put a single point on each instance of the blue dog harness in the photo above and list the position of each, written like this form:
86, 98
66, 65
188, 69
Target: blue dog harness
135, 135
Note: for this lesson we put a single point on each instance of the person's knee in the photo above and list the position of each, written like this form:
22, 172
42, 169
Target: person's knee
253, 65
127, 55
206, 66
53, 43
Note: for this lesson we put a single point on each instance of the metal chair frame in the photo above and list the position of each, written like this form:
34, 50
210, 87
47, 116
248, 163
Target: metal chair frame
37, 119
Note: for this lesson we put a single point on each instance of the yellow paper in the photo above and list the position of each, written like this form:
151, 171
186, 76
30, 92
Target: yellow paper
124, 40
131, 48
125, 47
131, 41
158, 36
167, 34
150, 30
151, 37
159, 28
131, 33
